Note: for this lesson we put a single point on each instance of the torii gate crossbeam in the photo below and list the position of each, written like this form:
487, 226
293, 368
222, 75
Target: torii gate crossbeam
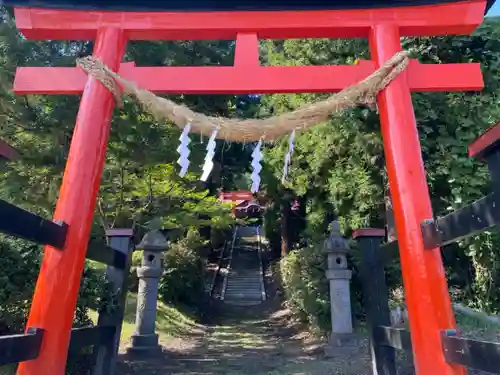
424, 279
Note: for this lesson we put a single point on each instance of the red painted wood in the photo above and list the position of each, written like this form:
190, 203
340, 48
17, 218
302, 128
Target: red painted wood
454, 18
236, 195
368, 232
444, 77
250, 79
246, 53
58, 283
484, 141
426, 290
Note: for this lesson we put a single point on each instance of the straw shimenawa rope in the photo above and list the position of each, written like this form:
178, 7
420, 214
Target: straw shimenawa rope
249, 130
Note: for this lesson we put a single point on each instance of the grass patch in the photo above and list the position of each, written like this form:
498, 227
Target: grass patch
96, 265
476, 328
170, 321
8, 369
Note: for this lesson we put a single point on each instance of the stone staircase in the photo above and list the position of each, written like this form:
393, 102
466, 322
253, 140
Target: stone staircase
245, 285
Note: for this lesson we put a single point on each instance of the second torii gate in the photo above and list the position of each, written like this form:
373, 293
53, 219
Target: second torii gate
424, 279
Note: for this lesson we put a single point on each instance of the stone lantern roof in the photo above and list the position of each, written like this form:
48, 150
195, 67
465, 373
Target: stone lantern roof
154, 240
335, 243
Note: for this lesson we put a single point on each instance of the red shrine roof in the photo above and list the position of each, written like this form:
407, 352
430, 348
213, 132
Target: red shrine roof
237, 197
234, 5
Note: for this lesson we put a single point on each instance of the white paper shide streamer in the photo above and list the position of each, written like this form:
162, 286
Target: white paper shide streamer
256, 159
183, 150
209, 164
288, 156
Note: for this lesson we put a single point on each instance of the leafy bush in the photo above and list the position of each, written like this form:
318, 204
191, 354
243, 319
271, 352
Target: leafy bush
133, 280
271, 226
193, 240
306, 287
182, 281
137, 258
218, 237
18, 273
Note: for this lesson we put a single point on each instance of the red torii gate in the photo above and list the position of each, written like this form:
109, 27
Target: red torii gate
424, 279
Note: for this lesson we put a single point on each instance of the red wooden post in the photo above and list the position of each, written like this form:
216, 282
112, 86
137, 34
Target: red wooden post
426, 290
58, 284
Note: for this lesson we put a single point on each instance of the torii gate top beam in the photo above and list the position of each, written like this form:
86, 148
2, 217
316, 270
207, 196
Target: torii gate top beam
234, 5
247, 76
456, 18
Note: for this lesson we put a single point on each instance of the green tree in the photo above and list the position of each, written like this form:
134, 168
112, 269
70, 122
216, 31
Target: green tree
140, 182
338, 167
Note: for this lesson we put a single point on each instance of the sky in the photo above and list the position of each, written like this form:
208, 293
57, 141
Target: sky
495, 9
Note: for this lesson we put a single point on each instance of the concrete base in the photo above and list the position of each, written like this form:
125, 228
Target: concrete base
144, 344
338, 343
343, 339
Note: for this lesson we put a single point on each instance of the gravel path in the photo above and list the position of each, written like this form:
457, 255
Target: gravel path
256, 341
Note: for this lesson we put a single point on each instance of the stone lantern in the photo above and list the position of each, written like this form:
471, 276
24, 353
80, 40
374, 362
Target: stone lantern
339, 278
153, 244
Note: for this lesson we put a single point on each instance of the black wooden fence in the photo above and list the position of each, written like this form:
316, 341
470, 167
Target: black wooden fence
103, 338
465, 222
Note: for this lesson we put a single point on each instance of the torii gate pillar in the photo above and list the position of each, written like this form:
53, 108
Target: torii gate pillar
423, 273
58, 283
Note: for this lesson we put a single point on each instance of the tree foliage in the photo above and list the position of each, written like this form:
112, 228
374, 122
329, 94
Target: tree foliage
338, 167
140, 183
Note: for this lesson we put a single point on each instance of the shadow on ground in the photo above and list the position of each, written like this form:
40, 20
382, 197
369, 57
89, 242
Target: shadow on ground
258, 340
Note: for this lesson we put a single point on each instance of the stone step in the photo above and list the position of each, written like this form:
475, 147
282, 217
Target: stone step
243, 287
244, 280
245, 265
244, 303
240, 289
237, 269
242, 298
244, 277
243, 290
243, 293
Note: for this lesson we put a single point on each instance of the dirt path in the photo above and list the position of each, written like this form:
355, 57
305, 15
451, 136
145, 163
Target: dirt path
257, 341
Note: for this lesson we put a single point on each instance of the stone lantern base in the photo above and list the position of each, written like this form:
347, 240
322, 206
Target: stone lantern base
142, 344
343, 339
340, 344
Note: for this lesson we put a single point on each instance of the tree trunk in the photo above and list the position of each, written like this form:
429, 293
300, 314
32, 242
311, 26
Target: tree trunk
285, 235
389, 217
